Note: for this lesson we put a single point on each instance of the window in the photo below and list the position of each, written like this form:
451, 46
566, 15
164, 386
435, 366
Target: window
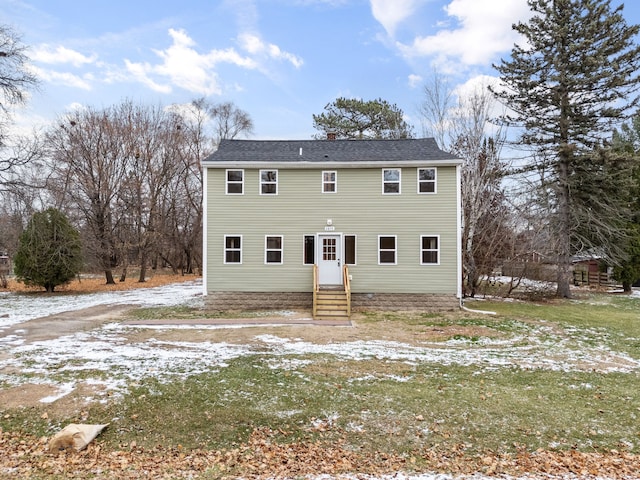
235, 182
426, 180
329, 249
268, 182
309, 249
329, 182
429, 250
273, 249
387, 250
350, 249
232, 249
391, 180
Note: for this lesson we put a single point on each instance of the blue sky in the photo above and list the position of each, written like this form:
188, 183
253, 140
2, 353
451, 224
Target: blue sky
279, 60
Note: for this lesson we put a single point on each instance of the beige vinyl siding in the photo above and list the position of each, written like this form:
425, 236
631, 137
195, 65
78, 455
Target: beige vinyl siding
358, 208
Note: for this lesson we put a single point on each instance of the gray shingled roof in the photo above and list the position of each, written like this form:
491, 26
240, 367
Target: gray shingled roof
423, 149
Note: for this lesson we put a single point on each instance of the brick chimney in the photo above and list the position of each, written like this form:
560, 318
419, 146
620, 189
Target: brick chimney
331, 135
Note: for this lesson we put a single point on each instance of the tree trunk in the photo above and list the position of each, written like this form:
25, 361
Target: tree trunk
472, 276
143, 268
564, 227
565, 157
189, 266
109, 276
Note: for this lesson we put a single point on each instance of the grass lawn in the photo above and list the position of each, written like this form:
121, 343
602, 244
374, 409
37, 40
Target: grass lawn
522, 395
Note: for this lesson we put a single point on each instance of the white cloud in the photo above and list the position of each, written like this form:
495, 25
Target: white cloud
183, 66
140, 72
484, 30
254, 45
247, 17
476, 84
74, 107
390, 13
414, 80
60, 55
83, 82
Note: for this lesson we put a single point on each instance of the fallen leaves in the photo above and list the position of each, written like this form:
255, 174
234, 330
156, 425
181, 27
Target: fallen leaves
98, 284
265, 455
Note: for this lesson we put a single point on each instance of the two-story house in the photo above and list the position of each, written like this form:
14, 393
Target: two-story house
377, 220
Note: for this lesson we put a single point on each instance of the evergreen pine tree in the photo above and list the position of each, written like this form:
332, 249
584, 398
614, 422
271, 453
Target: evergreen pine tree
351, 118
626, 142
573, 80
49, 253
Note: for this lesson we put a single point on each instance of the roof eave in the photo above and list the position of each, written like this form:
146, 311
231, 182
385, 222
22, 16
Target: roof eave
332, 164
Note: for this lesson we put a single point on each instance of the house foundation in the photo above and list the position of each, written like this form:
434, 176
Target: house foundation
226, 301
423, 302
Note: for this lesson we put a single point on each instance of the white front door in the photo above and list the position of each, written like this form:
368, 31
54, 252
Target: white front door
329, 260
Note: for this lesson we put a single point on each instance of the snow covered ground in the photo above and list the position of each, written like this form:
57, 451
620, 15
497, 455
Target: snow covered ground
17, 308
109, 353
108, 358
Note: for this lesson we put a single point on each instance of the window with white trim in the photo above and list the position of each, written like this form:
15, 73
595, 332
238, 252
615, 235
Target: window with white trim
329, 181
233, 249
235, 182
426, 180
387, 249
429, 250
391, 181
268, 182
273, 252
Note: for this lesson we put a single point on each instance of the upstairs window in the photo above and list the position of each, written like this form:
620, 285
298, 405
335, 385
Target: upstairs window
329, 182
268, 182
232, 249
429, 250
387, 249
235, 182
426, 180
391, 181
273, 249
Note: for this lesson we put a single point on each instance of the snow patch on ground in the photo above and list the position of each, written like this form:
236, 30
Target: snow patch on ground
63, 390
106, 356
20, 307
111, 355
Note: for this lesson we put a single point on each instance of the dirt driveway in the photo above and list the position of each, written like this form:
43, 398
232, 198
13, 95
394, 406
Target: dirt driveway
67, 323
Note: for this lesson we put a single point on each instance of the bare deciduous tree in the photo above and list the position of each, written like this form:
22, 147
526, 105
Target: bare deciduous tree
132, 175
151, 140
16, 79
204, 125
435, 110
463, 128
15, 76
89, 164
